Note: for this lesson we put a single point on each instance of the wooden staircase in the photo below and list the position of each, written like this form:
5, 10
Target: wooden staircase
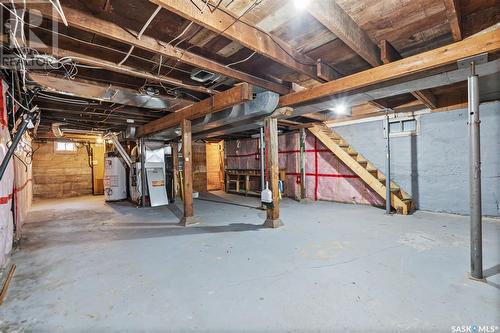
400, 200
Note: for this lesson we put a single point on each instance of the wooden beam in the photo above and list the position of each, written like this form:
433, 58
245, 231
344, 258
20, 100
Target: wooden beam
271, 138
454, 15
484, 43
237, 95
93, 24
335, 19
236, 29
187, 154
390, 54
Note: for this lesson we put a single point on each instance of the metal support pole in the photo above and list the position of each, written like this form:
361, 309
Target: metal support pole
303, 164
17, 137
388, 164
262, 160
143, 171
475, 177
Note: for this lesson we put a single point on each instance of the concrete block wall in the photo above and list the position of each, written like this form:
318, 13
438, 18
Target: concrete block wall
433, 166
60, 174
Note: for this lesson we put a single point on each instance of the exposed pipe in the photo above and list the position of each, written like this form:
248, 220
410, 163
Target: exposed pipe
388, 164
262, 160
475, 176
119, 147
19, 134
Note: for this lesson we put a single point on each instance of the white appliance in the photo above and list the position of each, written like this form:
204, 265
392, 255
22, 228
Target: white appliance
155, 175
115, 179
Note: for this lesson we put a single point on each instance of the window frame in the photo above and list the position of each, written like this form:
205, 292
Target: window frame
65, 151
403, 133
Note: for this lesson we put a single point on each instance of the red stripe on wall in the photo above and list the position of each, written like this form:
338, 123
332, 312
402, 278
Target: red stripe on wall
331, 175
5, 200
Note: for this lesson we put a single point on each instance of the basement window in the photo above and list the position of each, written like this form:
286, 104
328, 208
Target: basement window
403, 127
65, 146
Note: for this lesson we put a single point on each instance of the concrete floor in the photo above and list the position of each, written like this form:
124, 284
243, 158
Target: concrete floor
88, 266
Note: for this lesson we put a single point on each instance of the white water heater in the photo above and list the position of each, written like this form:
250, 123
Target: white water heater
115, 179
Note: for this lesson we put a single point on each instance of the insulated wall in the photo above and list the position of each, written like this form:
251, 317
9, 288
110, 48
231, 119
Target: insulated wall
15, 186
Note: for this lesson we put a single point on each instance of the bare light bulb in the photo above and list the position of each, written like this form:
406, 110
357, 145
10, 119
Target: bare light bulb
301, 4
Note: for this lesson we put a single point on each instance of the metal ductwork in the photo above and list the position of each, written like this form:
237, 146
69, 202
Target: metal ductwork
240, 115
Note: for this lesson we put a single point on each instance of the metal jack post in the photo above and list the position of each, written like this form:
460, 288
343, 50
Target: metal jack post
475, 177
388, 206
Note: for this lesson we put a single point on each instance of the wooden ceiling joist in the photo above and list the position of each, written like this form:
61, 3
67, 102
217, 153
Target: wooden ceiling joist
239, 31
454, 15
482, 43
335, 19
390, 54
239, 94
112, 67
93, 24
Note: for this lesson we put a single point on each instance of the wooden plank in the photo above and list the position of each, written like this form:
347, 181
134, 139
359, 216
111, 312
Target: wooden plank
454, 15
242, 32
335, 19
188, 171
93, 24
5, 286
237, 95
271, 138
390, 54
450, 54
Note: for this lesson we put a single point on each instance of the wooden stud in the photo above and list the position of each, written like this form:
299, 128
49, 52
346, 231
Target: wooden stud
187, 153
271, 137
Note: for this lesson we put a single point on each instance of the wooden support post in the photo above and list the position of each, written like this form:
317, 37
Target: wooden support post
303, 194
271, 136
175, 167
188, 217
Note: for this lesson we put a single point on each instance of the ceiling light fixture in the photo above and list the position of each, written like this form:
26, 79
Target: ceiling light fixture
340, 109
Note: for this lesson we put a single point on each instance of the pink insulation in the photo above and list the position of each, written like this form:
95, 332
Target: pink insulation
327, 178
243, 154
15, 185
330, 179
